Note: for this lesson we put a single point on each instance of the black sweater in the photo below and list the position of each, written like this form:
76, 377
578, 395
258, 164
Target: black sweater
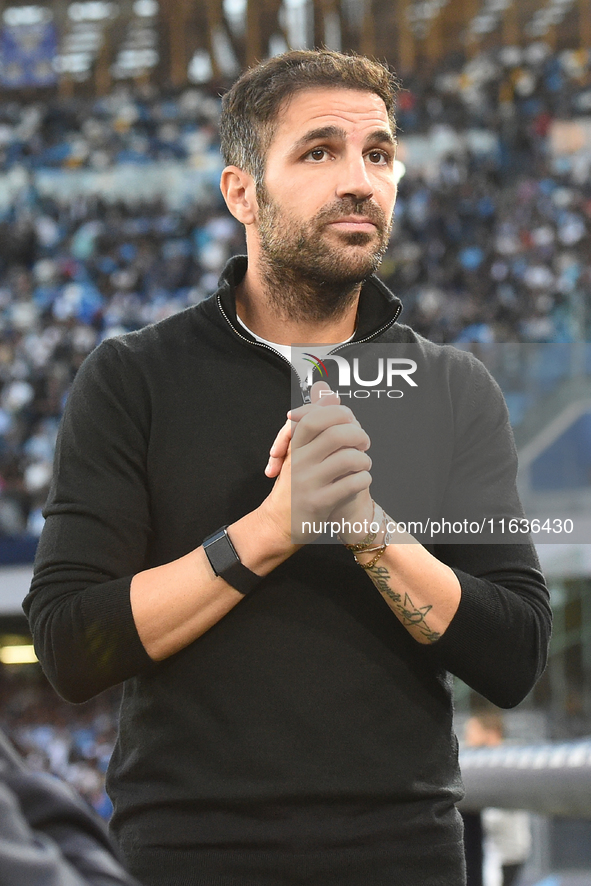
307, 717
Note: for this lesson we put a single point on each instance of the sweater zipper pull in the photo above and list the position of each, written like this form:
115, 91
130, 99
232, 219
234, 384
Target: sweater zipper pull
305, 391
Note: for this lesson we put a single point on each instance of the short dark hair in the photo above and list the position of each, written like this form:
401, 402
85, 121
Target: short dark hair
250, 109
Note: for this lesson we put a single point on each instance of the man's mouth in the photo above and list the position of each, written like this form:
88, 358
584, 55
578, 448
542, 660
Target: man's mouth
354, 223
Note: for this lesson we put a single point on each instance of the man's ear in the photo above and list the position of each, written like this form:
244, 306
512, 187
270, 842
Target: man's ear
239, 192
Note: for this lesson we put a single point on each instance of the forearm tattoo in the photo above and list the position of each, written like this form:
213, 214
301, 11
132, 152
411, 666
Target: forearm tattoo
409, 614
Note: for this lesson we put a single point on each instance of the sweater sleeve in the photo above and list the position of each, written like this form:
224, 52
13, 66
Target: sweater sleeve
96, 532
498, 640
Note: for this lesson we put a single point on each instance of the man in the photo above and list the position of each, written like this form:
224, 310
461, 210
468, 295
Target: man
48, 834
286, 714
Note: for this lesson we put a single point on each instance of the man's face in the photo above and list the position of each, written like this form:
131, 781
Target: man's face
325, 207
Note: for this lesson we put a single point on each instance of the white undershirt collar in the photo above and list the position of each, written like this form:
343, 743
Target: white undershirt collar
297, 356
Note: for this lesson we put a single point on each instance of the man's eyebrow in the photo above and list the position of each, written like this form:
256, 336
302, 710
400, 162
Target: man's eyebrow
336, 132
380, 136
321, 132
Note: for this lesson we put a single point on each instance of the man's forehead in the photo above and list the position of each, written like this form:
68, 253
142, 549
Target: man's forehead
320, 106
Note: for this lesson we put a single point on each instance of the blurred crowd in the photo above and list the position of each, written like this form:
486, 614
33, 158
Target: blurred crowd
493, 244
142, 127
490, 242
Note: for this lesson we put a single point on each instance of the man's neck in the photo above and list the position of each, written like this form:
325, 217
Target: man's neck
273, 320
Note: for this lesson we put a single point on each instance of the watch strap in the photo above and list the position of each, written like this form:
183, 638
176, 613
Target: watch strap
226, 563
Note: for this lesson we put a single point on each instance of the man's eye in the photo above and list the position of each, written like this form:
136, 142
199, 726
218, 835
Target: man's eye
377, 157
317, 153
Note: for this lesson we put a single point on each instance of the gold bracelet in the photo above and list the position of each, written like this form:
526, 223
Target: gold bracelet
369, 538
373, 560
371, 550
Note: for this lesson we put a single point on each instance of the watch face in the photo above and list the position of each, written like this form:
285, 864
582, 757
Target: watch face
225, 562
220, 551
223, 550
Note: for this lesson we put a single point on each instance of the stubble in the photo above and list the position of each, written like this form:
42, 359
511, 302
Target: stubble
308, 274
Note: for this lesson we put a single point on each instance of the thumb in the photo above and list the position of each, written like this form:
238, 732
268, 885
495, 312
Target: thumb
318, 394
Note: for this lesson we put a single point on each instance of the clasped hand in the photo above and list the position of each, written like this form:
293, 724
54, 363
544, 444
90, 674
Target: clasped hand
320, 460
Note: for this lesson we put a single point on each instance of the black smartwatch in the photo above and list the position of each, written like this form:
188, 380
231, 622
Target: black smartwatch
225, 562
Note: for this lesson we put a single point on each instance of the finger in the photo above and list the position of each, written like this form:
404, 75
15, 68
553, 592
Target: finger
338, 465
321, 393
280, 444
296, 415
279, 450
281, 441
320, 422
337, 438
337, 494
274, 466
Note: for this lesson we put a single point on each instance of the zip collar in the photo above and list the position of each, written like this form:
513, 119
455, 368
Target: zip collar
378, 310
378, 307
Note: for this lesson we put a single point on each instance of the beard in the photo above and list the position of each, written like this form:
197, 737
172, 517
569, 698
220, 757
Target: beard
309, 276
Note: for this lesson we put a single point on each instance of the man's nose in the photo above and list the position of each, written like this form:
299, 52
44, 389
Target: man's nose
354, 180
